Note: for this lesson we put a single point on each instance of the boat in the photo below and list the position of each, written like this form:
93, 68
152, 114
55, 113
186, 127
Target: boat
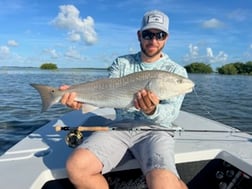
208, 155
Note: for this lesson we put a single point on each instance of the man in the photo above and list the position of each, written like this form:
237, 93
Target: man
152, 149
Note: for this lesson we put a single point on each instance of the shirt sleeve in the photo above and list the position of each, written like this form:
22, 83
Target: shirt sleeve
114, 70
166, 111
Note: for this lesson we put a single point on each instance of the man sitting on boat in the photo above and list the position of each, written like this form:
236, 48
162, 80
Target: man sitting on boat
154, 150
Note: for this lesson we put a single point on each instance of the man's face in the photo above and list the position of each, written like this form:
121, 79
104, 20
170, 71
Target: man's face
152, 41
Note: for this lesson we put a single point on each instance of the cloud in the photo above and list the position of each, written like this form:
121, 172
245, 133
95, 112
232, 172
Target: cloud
52, 53
72, 53
221, 57
197, 54
4, 52
69, 18
7, 57
212, 23
209, 52
193, 50
12, 43
74, 36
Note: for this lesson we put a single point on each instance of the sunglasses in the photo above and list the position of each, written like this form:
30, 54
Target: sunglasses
148, 35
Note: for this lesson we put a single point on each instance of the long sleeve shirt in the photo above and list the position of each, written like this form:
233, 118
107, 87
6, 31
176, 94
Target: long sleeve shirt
167, 110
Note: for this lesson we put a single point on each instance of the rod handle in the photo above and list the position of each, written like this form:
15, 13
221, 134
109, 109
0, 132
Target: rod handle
82, 128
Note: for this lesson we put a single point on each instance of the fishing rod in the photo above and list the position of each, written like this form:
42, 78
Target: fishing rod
105, 128
75, 135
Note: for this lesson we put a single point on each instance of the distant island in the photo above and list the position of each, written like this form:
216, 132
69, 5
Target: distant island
52, 66
49, 66
227, 69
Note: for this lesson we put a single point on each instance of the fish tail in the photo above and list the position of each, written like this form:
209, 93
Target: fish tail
48, 95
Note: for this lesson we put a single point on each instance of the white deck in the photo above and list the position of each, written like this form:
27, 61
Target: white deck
41, 156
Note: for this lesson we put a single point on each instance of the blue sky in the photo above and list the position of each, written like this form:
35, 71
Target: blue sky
91, 33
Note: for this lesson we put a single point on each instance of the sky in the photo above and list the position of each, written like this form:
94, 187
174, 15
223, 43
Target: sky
92, 33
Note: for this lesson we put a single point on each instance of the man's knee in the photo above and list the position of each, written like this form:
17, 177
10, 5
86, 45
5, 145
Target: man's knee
84, 170
83, 161
161, 178
75, 165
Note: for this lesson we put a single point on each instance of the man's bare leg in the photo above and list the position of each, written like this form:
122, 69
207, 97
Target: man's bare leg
164, 179
84, 170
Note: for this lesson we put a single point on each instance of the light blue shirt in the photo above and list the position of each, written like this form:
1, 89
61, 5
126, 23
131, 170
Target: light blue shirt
167, 110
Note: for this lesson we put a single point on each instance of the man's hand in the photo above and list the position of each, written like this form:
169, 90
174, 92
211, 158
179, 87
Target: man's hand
68, 99
146, 101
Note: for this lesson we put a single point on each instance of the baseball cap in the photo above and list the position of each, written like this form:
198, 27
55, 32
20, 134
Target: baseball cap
155, 20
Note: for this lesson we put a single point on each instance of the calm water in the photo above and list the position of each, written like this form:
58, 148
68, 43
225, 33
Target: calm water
227, 99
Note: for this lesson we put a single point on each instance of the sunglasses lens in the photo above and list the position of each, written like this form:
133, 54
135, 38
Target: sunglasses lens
147, 35
161, 36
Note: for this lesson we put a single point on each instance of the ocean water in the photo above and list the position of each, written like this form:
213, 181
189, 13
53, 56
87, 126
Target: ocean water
227, 99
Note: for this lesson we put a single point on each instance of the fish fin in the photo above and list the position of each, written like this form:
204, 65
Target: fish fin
88, 108
48, 99
148, 86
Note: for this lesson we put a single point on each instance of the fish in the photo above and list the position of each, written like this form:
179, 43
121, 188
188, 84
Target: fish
119, 92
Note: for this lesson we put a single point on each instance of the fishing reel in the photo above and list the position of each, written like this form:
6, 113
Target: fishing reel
74, 138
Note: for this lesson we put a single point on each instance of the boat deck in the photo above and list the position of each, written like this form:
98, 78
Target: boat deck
41, 156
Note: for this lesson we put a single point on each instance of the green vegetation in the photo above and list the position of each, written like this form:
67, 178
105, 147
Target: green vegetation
227, 69
49, 66
197, 67
236, 68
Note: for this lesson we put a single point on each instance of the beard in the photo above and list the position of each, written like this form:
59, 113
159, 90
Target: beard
151, 54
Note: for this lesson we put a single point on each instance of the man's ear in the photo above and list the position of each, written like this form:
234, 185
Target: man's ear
139, 35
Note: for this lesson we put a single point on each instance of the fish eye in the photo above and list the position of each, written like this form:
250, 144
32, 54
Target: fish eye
52, 91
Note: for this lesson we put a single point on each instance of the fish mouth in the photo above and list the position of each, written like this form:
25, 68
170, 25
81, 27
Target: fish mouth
189, 90
191, 86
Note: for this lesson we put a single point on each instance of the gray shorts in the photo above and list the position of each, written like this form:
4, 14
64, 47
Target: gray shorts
152, 149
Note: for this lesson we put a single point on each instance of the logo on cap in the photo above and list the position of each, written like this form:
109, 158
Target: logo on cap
155, 19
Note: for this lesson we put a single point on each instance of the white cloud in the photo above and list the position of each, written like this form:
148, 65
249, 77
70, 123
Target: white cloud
74, 36
212, 23
69, 18
52, 53
9, 58
221, 57
4, 52
72, 53
193, 50
196, 54
209, 52
12, 43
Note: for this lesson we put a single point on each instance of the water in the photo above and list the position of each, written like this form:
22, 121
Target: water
227, 99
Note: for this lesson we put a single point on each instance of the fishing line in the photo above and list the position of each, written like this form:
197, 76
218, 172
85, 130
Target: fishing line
203, 106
